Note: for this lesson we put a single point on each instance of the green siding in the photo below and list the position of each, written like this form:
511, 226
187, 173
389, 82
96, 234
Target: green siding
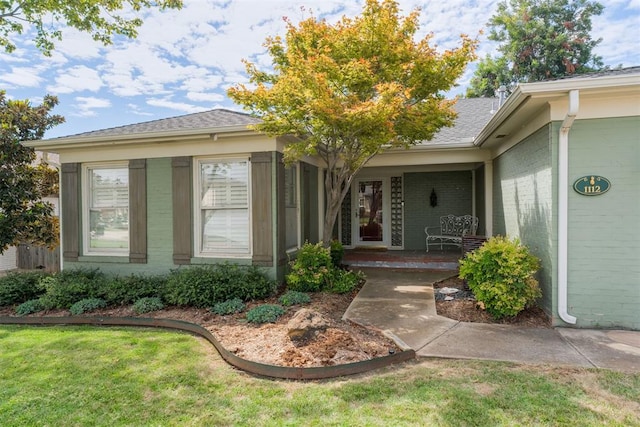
523, 187
159, 229
454, 197
604, 233
159, 232
604, 237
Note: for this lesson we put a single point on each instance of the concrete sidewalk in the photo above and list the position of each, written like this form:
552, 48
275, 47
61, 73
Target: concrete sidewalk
402, 304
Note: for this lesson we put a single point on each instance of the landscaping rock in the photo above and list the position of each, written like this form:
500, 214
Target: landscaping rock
305, 324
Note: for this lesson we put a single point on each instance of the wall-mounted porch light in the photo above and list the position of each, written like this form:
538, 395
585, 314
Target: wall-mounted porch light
433, 199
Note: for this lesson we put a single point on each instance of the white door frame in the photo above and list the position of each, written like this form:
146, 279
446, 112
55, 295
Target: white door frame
386, 212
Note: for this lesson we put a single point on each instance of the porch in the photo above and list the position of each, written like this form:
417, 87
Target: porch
446, 259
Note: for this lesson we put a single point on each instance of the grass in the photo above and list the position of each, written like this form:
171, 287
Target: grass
78, 376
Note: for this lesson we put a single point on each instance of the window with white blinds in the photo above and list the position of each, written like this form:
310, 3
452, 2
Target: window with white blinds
106, 212
223, 186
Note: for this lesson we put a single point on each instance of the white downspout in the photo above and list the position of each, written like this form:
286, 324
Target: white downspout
563, 206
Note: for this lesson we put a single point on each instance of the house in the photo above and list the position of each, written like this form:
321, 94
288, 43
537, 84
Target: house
203, 188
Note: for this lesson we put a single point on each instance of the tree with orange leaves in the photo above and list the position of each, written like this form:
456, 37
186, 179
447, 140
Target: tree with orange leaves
350, 90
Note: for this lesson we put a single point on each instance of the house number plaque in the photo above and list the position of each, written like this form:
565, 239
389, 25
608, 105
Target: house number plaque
591, 185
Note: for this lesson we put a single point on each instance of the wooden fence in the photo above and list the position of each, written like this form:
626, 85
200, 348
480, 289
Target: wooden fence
32, 257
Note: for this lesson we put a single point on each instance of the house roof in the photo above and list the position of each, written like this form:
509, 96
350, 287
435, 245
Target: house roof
473, 115
212, 119
529, 98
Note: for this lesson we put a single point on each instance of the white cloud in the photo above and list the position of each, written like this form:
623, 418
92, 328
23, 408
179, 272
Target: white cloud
186, 58
204, 97
77, 79
135, 109
178, 106
22, 77
85, 106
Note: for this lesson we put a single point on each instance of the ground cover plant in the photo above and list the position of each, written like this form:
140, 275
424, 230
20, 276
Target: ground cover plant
114, 377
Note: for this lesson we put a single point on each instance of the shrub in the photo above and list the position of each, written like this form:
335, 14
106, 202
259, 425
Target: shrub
28, 307
336, 250
342, 281
16, 288
229, 306
203, 286
267, 313
500, 274
127, 290
294, 298
88, 304
147, 305
69, 286
309, 271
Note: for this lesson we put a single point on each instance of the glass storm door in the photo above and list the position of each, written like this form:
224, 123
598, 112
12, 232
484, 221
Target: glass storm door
369, 210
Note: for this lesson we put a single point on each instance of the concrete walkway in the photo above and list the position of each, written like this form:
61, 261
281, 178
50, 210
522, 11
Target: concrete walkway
401, 303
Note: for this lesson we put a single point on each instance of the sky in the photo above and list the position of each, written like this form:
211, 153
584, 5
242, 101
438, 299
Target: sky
183, 61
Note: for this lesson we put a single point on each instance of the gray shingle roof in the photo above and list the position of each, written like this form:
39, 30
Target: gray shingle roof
218, 118
473, 114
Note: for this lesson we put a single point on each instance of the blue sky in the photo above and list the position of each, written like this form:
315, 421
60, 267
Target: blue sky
184, 61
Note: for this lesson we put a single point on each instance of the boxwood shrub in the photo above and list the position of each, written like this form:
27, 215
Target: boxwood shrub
128, 289
70, 286
204, 286
16, 288
501, 275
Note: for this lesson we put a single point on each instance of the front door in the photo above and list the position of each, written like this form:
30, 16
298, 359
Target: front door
369, 211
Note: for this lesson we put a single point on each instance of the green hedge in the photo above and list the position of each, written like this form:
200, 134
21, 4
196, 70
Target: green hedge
204, 286
16, 288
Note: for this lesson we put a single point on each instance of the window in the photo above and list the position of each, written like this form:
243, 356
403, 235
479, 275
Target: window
106, 209
222, 187
291, 207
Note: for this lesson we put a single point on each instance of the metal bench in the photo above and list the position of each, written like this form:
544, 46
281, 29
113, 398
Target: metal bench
451, 230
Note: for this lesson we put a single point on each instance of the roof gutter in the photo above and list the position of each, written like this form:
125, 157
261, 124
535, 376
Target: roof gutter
563, 206
152, 137
512, 103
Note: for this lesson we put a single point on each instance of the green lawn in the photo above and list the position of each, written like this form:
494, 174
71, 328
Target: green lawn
114, 376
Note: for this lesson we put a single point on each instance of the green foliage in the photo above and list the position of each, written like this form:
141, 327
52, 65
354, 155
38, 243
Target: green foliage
538, 40
126, 290
500, 274
86, 305
343, 281
16, 288
99, 18
311, 268
24, 217
348, 99
230, 306
314, 270
337, 253
267, 313
29, 307
203, 286
147, 305
294, 298
69, 286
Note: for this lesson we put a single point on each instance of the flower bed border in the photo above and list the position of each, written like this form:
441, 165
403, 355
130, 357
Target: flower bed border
273, 371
